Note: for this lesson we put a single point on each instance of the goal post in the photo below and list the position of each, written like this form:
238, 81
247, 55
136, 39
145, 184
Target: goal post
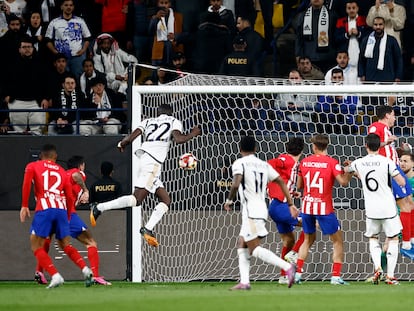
197, 237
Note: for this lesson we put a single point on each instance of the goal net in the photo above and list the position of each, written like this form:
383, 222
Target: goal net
197, 237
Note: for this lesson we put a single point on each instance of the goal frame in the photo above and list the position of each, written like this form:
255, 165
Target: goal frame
136, 109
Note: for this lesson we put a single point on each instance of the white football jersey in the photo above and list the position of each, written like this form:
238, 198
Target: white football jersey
252, 191
157, 135
375, 172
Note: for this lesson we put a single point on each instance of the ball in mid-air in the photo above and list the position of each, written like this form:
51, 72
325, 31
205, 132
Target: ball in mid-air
187, 161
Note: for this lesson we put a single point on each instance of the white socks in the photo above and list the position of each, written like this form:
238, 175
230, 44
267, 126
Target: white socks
271, 258
375, 250
159, 211
121, 202
244, 265
392, 256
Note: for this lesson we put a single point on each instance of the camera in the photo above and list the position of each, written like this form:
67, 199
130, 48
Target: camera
384, 1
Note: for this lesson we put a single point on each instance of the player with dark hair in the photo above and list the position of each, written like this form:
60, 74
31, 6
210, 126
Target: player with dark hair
403, 195
250, 177
54, 203
286, 165
316, 176
158, 133
375, 171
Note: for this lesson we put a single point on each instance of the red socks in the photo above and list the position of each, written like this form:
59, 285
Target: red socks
285, 250
46, 246
94, 260
299, 242
44, 261
74, 255
406, 223
336, 269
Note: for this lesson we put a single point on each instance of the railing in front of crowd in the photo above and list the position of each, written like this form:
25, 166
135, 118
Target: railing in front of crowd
77, 123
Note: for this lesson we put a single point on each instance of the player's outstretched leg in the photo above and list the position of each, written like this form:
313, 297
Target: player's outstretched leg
149, 237
121, 202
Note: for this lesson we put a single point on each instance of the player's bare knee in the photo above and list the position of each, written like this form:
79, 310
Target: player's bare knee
91, 243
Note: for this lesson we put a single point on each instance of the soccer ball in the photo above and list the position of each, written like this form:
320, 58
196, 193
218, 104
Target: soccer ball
187, 161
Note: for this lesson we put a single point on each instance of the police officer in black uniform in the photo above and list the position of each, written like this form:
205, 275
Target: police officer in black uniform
239, 62
106, 188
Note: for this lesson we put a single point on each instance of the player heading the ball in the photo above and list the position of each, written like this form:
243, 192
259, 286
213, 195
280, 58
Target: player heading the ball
157, 133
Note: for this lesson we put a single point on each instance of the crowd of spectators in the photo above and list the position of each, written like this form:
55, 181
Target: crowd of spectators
63, 59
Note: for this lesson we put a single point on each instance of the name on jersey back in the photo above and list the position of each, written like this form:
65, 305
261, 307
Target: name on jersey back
51, 166
315, 164
370, 163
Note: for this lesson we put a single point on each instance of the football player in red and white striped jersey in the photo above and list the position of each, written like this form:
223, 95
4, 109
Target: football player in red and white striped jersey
54, 199
316, 176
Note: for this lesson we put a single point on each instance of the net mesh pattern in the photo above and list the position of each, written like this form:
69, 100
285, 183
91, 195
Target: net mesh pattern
197, 237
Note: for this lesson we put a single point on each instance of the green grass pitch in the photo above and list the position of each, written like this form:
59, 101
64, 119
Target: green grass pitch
209, 296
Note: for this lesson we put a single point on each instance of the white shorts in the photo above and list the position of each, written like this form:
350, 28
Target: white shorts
253, 228
390, 226
149, 172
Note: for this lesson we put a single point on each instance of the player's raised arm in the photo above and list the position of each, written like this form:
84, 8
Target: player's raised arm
181, 138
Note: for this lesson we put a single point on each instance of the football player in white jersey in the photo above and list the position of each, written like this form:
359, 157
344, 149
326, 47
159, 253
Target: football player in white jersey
375, 172
250, 178
157, 135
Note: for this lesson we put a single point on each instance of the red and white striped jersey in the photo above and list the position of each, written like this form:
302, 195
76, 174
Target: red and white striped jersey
51, 185
318, 173
383, 131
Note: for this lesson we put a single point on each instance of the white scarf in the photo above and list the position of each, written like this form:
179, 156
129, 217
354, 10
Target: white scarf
323, 26
163, 29
83, 82
369, 51
104, 104
353, 47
